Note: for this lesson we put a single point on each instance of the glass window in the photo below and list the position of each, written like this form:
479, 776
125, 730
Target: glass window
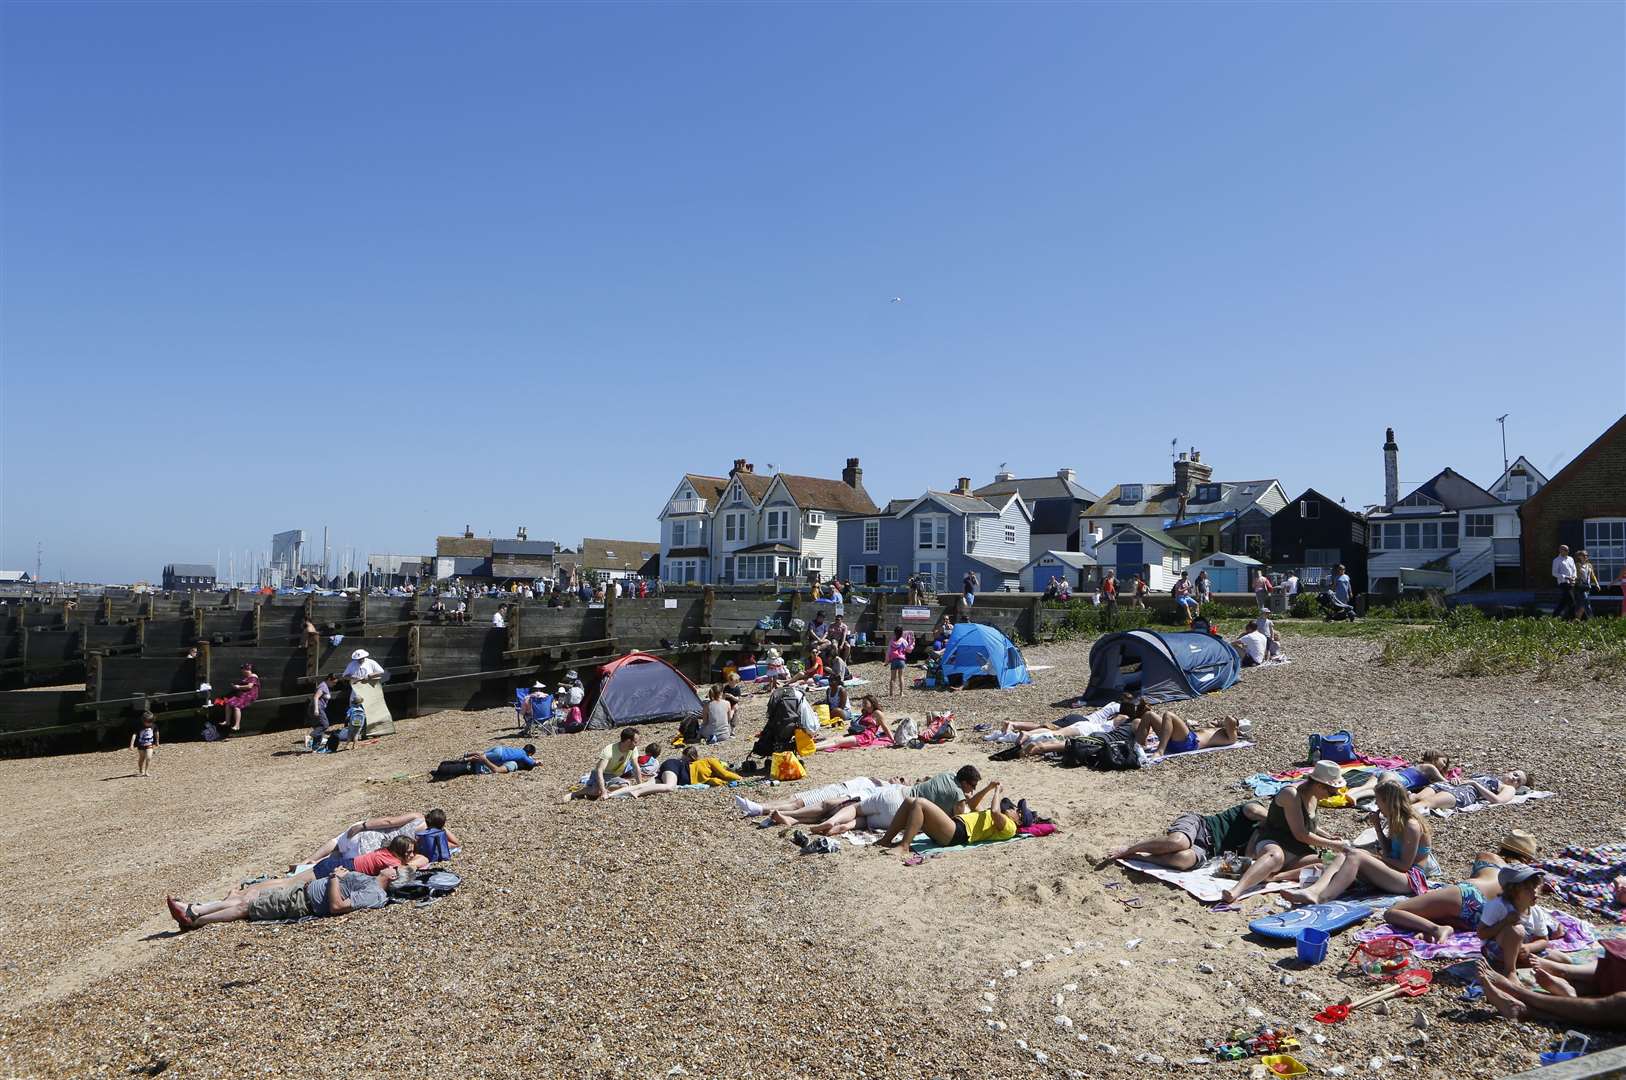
680, 533
1414, 535
1431, 534
1479, 525
971, 527
889, 575
1309, 508
1129, 493
1010, 534
931, 532
1604, 540
1448, 534
778, 524
872, 537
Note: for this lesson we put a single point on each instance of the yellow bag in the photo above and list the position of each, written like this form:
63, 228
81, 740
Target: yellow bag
787, 766
804, 743
823, 713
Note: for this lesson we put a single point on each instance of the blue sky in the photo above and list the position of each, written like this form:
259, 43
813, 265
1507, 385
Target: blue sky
398, 268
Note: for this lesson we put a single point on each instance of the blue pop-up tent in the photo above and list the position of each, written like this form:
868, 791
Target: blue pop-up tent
977, 650
1160, 667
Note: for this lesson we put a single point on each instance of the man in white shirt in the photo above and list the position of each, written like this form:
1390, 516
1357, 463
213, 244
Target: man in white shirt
1291, 585
1564, 575
498, 620
1252, 645
363, 668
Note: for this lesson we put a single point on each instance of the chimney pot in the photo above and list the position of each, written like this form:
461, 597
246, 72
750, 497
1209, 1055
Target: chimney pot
963, 487
852, 475
739, 466
1066, 474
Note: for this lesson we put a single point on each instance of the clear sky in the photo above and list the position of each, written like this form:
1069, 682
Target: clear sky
400, 267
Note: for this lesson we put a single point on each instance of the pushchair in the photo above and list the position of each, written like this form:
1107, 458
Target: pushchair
1332, 608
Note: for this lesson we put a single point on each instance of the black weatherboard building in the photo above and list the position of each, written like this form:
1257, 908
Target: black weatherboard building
189, 577
1312, 534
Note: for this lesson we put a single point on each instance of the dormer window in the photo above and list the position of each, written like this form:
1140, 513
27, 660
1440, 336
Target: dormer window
1130, 493
1207, 493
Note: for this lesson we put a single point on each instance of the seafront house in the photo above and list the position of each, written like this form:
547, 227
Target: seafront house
1199, 513
1145, 550
749, 528
1584, 506
942, 534
1057, 504
1314, 533
618, 560
1448, 533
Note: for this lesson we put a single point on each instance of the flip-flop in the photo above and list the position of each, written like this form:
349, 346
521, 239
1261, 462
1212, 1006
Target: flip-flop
766, 823
915, 859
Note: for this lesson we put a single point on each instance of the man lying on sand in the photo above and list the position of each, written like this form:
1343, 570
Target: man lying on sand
344, 892
814, 804
1490, 790
1439, 913
1191, 839
1288, 838
1174, 735
878, 808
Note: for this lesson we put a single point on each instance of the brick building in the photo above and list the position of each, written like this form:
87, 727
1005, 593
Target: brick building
1583, 506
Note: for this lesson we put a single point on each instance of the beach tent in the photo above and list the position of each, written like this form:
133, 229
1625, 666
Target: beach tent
641, 689
975, 649
1166, 667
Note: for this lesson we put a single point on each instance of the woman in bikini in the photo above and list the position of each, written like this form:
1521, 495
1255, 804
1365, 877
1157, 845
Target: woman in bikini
1490, 790
872, 730
1401, 864
1439, 913
1430, 769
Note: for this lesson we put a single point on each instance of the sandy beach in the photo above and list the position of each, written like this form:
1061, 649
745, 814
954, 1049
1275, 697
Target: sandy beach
667, 936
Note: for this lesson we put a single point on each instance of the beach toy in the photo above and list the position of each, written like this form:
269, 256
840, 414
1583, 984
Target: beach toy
1284, 1065
1328, 917
1312, 945
1561, 1050
1413, 982
1382, 956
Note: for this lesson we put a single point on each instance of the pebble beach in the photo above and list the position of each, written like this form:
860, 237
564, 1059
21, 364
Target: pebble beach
667, 936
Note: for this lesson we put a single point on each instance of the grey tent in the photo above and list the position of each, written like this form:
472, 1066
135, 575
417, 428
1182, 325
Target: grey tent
1160, 667
641, 689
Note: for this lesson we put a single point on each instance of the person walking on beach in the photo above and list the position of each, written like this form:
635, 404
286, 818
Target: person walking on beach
145, 743
1262, 590
1564, 577
1586, 583
1109, 595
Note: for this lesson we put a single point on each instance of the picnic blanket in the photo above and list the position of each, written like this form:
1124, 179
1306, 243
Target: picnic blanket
1515, 801
1585, 876
1193, 753
1577, 935
1203, 882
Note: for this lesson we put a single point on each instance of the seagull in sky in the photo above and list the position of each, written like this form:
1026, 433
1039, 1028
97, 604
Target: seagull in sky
897, 300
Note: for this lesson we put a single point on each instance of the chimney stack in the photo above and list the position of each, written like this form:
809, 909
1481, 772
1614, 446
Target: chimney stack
1002, 476
1391, 470
963, 487
852, 475
1189, 471
1067, 474
740, 465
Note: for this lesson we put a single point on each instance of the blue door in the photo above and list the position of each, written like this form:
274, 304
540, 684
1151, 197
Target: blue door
1044, 575
1130, 559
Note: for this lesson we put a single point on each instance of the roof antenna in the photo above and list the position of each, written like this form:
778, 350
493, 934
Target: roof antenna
1174, 447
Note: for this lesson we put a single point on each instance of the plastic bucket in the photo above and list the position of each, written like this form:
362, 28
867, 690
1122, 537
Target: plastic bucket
1312, 945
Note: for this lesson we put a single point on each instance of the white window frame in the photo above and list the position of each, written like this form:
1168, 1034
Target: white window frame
1010, 534
1473, 522
813, 562
938, 526
815, 518
889, 575
937, 568
734, 527
776, 525
872, 536
728, 569
855, 572
972, 526
680, 533
1607, 553
1131, 493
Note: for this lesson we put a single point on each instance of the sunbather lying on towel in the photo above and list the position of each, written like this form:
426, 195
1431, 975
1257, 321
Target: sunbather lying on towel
1439, 913
374, 833
1053, 740
973, 826
343, 892
1491, 790
950, 792
1430, 770
1174, 735
814, 804
1191, 839
1401, 865
673, 773
1288, 837
1106, 712
400, 851
1590, 995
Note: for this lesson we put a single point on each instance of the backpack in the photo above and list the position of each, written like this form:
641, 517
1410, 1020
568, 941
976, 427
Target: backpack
1339, 747
425, 887
355, 717
1109, 752
939, 728
783, 707
211, 733
905, 733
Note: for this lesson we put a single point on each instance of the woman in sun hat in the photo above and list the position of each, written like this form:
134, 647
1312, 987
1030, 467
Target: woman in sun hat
776, 668
1439, 913
1288, 839
1402, 864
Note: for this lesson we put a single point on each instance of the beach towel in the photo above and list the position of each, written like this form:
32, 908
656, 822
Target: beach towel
1356, 772
1193, 753
1203, 882
1577, 935
1331, 917
923, 845
1585, 876
1515, 801
881, 742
